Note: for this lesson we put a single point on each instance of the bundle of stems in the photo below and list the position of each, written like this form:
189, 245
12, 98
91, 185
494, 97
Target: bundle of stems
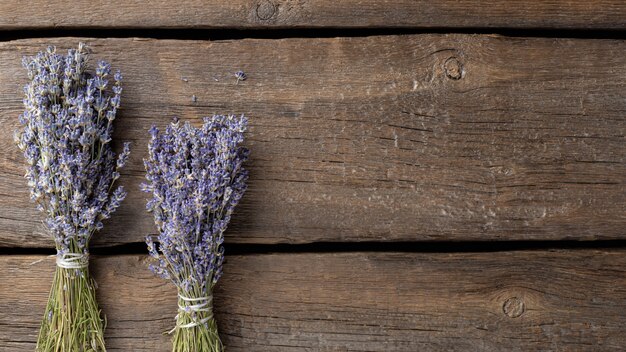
66, 131
72, 321
188, 334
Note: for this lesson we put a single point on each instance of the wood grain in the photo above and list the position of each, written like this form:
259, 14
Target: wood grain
394, 138
540, 14
504, 301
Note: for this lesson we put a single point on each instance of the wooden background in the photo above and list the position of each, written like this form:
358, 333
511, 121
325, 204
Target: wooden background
425, 176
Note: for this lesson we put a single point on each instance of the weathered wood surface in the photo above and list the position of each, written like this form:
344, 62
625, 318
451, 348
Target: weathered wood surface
505, 301
45, 14
421, 137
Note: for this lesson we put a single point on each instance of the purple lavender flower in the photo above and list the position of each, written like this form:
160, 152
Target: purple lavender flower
196, 178
67, 127
241, 76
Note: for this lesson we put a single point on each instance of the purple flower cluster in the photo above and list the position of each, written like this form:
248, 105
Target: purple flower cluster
67, 127
196, 178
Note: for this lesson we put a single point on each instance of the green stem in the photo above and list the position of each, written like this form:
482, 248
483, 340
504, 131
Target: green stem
72, 320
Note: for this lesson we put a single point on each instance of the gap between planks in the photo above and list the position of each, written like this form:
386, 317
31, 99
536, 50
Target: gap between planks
277, 34
242, 249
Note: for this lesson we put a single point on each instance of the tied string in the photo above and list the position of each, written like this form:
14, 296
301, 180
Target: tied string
194, 305
72, 260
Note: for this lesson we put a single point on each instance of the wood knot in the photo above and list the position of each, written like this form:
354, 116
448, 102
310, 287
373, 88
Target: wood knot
513, 307
453, 68
265, 10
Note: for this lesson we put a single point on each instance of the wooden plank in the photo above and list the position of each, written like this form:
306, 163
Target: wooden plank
373, 139
504, 301
597, 14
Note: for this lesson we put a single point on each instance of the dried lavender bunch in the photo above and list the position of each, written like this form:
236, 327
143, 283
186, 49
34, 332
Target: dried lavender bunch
196, 178
67, 127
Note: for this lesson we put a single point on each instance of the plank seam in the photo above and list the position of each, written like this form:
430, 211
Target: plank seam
235, 34
368, 246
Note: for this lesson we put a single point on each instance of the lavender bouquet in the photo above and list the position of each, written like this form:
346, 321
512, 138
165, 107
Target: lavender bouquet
67, 126
196, 178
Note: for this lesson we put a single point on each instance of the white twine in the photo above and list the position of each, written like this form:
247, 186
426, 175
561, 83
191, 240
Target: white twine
200, 304
73, 260
42, 259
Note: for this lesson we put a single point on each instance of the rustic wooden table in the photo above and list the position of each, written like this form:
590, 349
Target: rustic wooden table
414, 186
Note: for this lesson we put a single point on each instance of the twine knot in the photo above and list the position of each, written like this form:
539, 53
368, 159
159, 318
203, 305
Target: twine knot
72, 260
200, 304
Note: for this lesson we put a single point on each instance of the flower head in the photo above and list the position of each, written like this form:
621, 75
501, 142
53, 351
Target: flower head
241, 76
196, 178
65, 136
